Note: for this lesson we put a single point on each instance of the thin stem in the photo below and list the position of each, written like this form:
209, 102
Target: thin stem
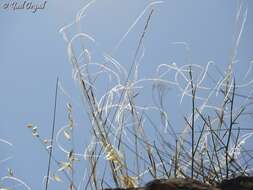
193, 120
52, 134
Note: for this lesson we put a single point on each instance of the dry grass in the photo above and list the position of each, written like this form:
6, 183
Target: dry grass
128, 146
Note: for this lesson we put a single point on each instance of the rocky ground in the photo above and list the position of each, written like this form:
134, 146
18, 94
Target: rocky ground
238, 183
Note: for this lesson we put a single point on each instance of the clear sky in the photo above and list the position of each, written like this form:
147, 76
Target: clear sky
33, 53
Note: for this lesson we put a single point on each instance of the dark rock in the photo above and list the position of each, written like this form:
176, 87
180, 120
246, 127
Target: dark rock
177, 184
173, 184
238, 183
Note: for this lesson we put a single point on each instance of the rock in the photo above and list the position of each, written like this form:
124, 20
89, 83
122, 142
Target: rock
177, 184
173, 184
238, 183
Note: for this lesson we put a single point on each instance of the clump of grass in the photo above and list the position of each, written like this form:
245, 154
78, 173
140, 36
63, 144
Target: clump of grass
119, 123
132, 142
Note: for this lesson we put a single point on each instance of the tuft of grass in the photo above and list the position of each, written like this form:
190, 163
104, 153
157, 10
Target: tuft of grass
131, 142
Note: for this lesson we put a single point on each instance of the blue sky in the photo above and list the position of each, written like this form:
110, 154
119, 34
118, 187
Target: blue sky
33, 53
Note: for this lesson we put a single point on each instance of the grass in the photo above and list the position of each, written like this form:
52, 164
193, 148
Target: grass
127, 146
